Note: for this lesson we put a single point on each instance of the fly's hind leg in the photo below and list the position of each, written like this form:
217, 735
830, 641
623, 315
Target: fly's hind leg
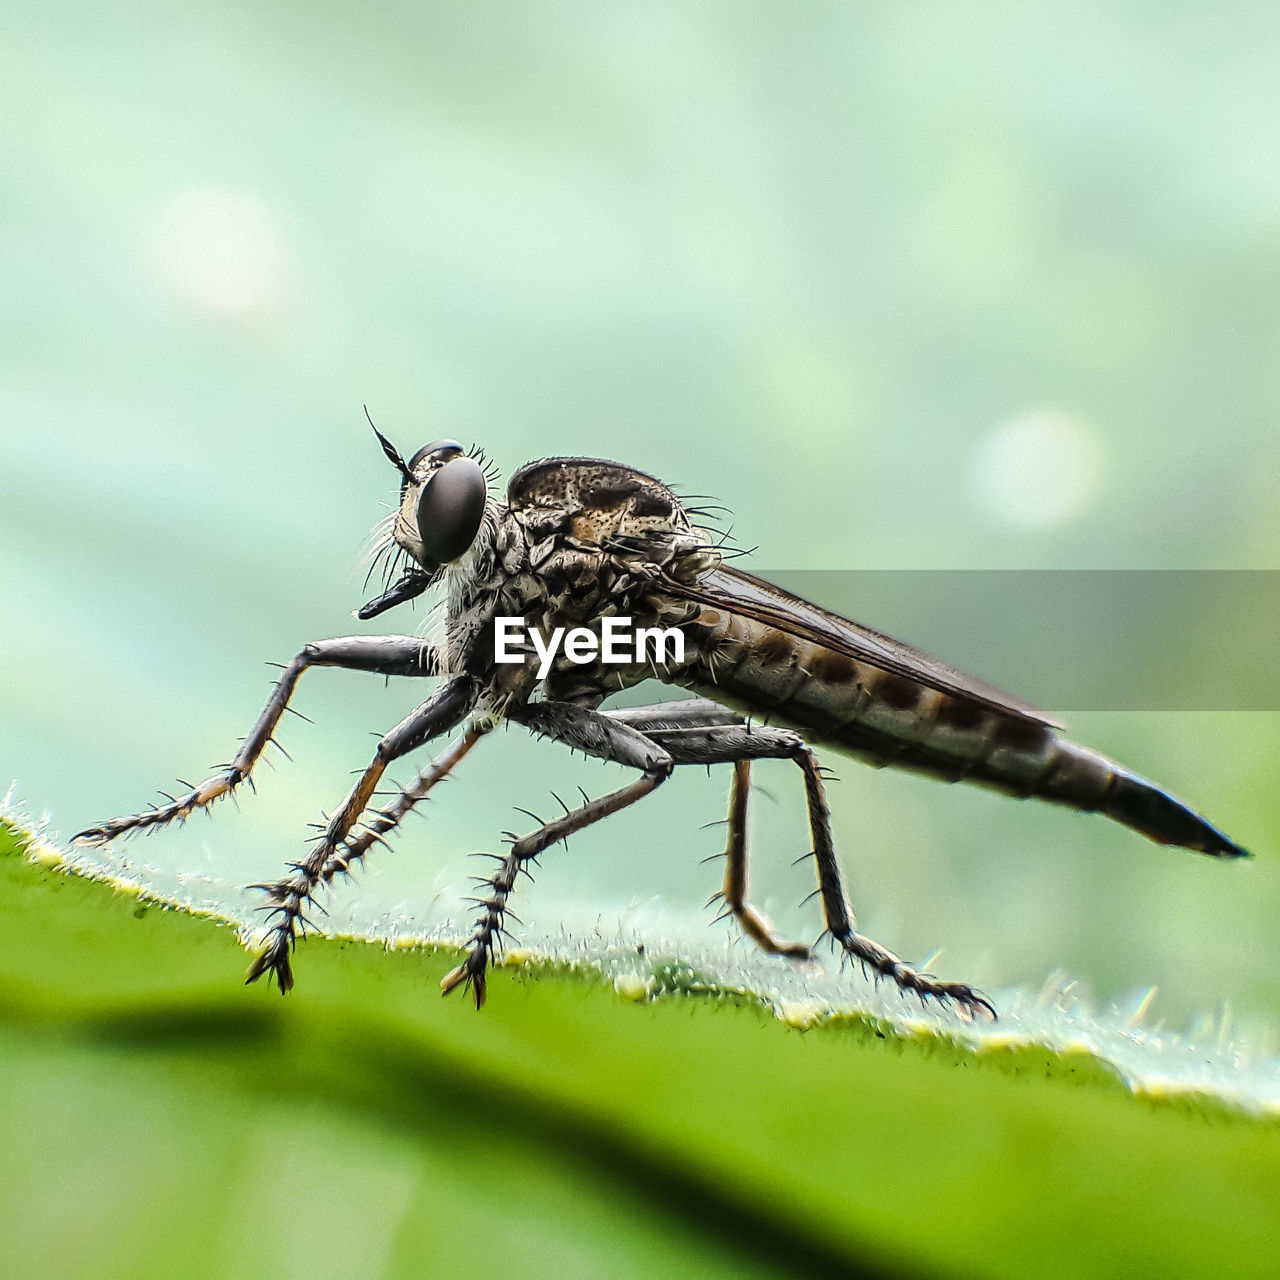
701, 732
288, 898
698, 731
384, 655
753, 922
839, 915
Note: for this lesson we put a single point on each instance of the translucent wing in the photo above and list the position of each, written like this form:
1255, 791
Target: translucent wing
752, 597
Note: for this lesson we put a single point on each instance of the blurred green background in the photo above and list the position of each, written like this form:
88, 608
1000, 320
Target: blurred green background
990, 287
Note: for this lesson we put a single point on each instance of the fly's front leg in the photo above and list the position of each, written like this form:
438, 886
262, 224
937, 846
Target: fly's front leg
598, 735
289, 897
387, 818
385, 655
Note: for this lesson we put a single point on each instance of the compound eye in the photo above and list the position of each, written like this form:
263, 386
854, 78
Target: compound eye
441, 450
450, 508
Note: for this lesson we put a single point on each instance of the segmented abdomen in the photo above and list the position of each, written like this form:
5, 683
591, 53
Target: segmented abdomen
890, 719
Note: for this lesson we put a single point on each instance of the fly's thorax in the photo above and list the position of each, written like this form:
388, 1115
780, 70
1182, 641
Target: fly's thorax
584, 516
643, 643
578, 543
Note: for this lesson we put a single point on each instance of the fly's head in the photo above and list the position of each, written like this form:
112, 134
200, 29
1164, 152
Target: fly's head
444, 494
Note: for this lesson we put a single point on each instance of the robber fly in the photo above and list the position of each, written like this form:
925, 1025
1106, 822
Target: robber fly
576, 541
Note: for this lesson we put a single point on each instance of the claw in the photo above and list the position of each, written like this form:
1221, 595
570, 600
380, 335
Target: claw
273, 960
970, 1003
463, 976
452, 979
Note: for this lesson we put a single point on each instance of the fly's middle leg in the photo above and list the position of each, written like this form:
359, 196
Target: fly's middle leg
598, 735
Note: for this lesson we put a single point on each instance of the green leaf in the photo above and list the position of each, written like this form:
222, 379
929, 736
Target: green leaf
159, 1118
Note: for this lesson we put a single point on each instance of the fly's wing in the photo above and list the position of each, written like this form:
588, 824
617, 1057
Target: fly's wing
742, 593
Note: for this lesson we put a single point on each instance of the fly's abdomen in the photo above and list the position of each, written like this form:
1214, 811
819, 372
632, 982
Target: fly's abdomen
891, 719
